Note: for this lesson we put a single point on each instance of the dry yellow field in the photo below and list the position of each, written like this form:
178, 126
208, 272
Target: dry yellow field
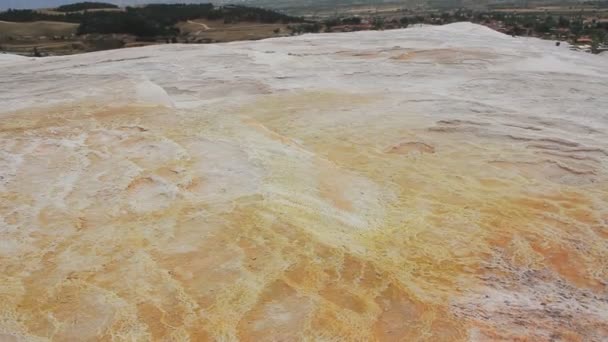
218, 31
36, 29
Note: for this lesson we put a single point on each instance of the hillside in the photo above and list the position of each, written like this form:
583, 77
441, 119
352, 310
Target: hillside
153, 19
87, 26
310, 4
438, 183
85, 6
37, 29
104, 26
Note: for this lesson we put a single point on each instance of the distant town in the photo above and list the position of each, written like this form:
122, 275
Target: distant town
585, 27
94, 26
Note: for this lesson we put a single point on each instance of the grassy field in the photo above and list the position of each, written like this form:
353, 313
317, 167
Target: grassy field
36, 29
48, 37
218, 31
59, 38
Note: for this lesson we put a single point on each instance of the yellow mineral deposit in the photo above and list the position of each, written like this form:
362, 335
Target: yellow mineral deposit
339, 212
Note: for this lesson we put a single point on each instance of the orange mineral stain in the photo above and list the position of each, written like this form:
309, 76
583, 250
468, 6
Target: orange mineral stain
301, 215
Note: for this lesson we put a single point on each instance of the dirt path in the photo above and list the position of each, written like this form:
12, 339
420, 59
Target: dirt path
200, 24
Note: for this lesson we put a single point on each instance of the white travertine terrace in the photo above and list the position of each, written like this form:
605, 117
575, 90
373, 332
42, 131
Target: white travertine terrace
433, 183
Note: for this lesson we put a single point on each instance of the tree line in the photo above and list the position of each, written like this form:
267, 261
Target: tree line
83, 6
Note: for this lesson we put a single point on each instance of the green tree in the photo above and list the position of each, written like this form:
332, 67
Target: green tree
378, 23
563, 22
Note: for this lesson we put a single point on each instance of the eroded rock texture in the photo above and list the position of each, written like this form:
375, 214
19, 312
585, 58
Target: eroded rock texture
429, 184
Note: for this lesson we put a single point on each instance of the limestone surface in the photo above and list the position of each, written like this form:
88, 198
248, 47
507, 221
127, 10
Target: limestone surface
428, 184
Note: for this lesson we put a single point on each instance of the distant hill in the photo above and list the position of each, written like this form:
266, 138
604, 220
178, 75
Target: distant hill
147, 21
32, 4
21, 4
82, 6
